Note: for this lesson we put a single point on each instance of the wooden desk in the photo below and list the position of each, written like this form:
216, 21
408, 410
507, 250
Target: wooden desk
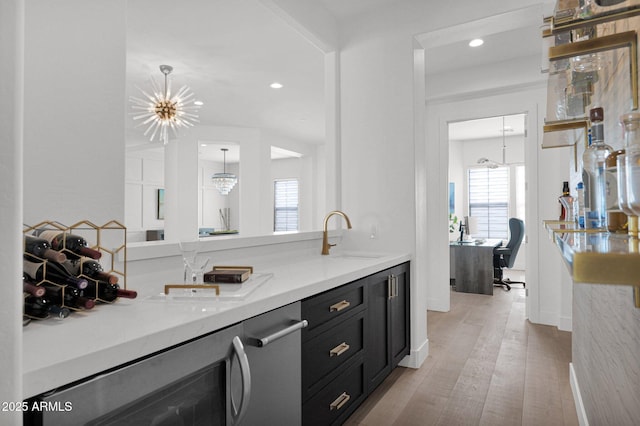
472, 266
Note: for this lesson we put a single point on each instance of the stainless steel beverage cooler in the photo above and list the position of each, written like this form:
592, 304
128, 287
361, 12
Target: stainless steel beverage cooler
246, 373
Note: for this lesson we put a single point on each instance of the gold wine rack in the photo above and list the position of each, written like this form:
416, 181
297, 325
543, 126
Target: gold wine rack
110, 239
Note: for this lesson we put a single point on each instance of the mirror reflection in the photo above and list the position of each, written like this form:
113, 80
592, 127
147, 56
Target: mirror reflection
228, 54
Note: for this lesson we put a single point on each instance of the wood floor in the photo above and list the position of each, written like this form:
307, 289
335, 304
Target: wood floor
487, 365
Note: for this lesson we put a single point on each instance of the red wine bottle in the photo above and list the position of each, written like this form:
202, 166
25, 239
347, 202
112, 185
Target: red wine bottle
32, 289
108, 292
41, 308
40, 247
91, 268
51, 271
67, 296
73, 246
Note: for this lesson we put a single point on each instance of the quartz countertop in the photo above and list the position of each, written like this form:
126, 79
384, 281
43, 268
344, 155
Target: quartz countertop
56, 353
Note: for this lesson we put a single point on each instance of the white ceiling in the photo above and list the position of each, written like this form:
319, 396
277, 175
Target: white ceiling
229, 51
490, 127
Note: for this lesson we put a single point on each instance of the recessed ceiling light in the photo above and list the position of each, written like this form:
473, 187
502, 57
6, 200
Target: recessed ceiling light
200, 103
476, 42
276, 85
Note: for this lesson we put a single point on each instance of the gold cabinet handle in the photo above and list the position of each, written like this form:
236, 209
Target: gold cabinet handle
339, 306
339, 350
340, 401
216, 287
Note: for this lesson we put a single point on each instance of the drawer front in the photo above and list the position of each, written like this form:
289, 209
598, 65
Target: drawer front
326, 307
330, 350
337, 400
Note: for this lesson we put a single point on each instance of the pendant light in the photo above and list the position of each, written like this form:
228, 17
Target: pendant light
494, 164
224, 182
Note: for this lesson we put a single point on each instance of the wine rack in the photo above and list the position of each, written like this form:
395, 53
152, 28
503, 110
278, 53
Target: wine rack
110, 239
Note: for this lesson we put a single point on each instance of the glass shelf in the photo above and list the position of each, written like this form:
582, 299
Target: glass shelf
597, 257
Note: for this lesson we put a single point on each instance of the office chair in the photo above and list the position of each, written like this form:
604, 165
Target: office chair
505, 256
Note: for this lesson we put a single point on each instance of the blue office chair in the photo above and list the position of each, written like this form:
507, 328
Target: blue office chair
505, 256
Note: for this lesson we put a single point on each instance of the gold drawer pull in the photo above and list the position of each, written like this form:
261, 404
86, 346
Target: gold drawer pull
339, 306
339, 350
340, 401
216, 287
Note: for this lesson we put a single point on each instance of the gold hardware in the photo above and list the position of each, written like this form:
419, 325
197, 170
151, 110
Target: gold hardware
614, 41
339, 402
219, 267
339, 350
337, 307
564, 125
216, 287
636, 296
572, 24
392, 286
325, 236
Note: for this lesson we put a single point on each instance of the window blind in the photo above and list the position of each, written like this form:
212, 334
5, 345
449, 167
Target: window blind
285, 205
489, 201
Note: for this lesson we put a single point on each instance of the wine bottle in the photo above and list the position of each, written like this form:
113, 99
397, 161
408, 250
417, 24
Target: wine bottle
108, 292
53, 272
31, 288
73, 245
91, 268
41, 308
67, 296
40, 247
566, 203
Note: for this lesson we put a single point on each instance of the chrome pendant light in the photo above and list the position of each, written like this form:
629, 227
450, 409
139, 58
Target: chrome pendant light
224, 182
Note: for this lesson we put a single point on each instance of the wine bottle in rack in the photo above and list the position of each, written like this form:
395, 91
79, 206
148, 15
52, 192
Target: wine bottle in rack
67, 296
41, 248
31, 288
73, 245
53, 272
91, 268
41, 308
108, 292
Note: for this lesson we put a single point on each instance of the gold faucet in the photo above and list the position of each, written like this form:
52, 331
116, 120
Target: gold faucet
325, 237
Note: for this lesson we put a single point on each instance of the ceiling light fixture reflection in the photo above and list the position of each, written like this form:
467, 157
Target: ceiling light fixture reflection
476, 42
163, 110
276, 85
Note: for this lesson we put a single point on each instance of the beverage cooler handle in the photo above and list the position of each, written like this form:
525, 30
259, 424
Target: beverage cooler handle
239, 412
264, 341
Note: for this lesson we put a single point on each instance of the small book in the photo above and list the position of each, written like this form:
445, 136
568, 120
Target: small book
228, 275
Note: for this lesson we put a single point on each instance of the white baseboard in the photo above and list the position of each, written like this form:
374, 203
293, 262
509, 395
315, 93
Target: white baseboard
565, 324
416, 356
438, 305
577, 398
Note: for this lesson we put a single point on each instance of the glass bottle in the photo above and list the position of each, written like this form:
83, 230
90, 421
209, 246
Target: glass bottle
593, 173
616, 219
631, 124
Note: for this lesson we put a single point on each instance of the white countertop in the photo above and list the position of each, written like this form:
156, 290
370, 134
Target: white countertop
56, 353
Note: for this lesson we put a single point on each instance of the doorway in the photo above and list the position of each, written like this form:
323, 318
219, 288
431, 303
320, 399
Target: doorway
487, 179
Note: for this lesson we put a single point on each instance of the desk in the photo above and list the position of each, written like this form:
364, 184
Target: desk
472, 266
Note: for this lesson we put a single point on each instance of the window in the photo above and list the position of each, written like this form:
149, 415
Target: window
285, 203
489, 201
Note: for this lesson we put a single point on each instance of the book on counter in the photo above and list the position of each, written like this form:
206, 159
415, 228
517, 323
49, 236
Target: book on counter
228, 274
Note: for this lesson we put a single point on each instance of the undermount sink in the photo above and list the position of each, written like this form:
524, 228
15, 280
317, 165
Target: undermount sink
354, 255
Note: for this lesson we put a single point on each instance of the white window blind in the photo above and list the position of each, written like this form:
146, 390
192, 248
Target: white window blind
285, 205
489, 201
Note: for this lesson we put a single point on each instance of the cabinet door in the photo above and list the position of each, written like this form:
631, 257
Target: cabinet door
377, 354
399, 311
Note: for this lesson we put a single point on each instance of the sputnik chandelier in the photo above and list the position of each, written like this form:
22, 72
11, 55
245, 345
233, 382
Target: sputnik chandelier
163, 110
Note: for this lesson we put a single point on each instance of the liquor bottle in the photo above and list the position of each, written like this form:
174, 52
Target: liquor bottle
67, 296
73, 246
91, 268
566, 203
631, 170
107, 292
580, 192
40, 247
53, 272
593, 173
616, 219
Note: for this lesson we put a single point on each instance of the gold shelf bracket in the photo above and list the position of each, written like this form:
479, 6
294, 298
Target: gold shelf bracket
564, 125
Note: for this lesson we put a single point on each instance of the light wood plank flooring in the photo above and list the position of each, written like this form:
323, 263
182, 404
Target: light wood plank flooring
487, 366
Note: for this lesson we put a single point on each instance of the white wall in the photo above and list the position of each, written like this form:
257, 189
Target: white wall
11, 140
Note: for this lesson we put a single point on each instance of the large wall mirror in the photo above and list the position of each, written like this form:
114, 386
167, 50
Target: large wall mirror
228, 53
